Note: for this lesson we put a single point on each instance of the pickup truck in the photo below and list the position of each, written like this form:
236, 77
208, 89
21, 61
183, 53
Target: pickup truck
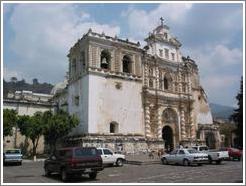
74, 161
213, 155
111, 158
12, 156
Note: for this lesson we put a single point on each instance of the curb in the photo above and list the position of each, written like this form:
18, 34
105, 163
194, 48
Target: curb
31, 161
142, 162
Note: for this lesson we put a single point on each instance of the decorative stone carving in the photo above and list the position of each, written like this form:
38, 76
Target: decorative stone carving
147, 122
159, 129
182, 121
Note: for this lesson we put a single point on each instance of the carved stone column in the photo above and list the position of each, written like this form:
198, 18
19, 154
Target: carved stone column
145, 75
159, 128
147, 122
157, 77
189, 84
179, 82
182, 123
193, 129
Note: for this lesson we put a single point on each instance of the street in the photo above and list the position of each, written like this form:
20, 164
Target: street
227, 172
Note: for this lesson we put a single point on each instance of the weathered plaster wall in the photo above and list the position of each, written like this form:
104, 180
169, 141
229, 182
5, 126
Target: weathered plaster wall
79, 88
107, 104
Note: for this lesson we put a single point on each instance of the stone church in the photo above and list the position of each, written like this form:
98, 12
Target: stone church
130, 98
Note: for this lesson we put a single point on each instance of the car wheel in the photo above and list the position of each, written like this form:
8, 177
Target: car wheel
218, 162
20, 163
93, 175
209, 160
199, 164
186, 162
239, 159
119, 162
64, 175
46, 171
164, 161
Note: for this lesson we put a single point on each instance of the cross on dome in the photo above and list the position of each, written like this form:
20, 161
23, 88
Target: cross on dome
162, 20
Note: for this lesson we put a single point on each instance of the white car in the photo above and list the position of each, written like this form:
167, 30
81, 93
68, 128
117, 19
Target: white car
213, 155
110, 157
185, 157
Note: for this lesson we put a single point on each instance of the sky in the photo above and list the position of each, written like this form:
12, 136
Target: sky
37, 37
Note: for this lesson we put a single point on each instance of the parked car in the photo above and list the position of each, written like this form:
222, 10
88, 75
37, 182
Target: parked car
233, 153
185, 157
213, 155
12, 156
111, 158
74, 161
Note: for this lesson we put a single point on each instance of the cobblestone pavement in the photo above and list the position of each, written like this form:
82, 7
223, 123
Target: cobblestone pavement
227, 172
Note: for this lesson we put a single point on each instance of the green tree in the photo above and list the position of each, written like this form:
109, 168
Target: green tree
58, 125
9, 121
32, 127
237, 116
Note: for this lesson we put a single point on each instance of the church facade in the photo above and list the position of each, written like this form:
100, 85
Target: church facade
131, 98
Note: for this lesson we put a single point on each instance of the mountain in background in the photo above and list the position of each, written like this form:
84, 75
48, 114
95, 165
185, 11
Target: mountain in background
14, 85
221, 111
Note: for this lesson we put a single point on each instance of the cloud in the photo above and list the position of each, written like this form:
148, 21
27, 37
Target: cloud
140, 22
7, 74
216, 59
43, 35
221, 88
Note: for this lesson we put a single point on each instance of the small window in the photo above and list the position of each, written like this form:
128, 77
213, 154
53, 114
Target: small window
76, 100
161, 52
166, 53
113, 127
173, 57
107, 152
165, 35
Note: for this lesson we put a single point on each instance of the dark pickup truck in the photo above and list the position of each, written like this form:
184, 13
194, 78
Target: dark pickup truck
74, 161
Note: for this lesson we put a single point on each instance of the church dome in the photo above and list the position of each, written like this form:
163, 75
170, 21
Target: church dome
59, 87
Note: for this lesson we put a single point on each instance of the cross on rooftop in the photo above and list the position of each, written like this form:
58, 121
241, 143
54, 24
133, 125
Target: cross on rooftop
162, 20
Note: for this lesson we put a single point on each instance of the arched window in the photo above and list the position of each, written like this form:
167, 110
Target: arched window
105, 59
126, 64
113, 127
151, 71
167, 82
151, 84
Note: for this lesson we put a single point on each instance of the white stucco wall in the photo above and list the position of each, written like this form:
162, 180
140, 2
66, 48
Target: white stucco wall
107, 104
26, 109
201, 113
79, 88
155, 49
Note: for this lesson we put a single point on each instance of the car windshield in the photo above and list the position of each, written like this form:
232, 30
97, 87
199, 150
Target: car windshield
16, 151
192, 151
85, 152
203, 148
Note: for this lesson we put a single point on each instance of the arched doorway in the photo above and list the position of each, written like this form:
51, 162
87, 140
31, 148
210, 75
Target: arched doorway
167, 136
210, 140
